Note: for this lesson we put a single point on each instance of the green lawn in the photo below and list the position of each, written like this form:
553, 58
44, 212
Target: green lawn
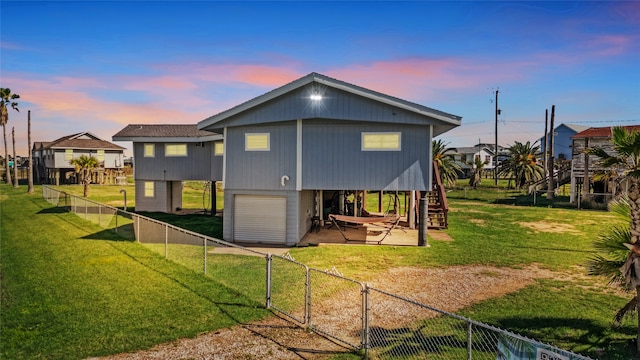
71, 290
64, 272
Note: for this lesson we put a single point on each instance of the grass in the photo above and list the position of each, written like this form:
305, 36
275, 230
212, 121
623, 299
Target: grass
575, 315
72, 290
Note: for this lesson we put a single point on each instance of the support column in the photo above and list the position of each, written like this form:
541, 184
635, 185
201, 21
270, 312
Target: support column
424, 220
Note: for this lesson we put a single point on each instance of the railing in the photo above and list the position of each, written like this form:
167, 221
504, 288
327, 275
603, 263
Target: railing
380, 324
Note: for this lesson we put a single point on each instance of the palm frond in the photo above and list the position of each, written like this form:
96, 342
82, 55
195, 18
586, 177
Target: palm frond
628, 309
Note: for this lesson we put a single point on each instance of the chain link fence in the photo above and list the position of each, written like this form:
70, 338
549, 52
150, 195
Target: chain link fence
379, 324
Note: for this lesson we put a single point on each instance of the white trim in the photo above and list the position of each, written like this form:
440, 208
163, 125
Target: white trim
224, 158
299, 155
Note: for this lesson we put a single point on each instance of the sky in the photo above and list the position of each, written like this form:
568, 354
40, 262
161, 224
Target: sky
98, 66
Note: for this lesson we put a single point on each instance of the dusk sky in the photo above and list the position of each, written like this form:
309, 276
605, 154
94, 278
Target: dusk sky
98, 66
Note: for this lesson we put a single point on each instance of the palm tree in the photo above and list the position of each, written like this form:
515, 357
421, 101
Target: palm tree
84, 165
447, 166
6, 97
626, 163
522, 163
476, 175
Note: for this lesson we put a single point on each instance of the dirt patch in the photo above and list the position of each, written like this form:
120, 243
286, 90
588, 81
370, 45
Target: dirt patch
449, 289
550, 227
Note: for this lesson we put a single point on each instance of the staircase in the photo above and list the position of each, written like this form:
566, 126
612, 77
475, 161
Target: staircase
438, 206
562, 177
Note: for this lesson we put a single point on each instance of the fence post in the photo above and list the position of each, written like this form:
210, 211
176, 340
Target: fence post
269, 259
365, 331
307, 283
166, 241
99, 215
204, 245
86, 209
117, 220
469, 340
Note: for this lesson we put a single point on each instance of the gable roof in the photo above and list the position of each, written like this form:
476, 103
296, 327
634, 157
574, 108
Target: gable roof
82, 140
443, 117
165, 133
574, 127
601, 132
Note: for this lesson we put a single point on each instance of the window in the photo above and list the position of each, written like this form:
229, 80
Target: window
218, 148
149, 189
100, 155
68, 154
149, 150
381, 141
256, 142
175, 150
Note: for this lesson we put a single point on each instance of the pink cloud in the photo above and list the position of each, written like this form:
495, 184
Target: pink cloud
608, 45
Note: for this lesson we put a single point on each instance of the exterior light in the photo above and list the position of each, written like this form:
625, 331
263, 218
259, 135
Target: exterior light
316, 97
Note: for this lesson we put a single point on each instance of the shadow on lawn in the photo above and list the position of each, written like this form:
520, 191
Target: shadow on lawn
536, 327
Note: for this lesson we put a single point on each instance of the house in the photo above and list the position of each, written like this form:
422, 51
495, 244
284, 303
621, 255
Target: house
52, 165
291, 151
466, 156
583, 164
167, 155
562, 140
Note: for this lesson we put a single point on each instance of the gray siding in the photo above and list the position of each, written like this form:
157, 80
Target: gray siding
293, 204
333, 158
158, 202
336, 104
199, 164
261, 170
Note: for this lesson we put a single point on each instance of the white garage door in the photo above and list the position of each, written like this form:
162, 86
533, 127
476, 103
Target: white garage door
260, 219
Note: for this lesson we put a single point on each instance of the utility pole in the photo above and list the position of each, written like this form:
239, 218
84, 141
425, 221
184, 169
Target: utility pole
495, 155
551, 185
544, 142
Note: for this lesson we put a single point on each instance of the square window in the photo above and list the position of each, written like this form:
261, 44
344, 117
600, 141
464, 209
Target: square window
175, 150
256, 142
100, 155
149, 189
218, 148
381, 141
149, 150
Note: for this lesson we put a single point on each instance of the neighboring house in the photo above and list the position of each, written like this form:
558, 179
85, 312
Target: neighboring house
465, 157
562, 140
288, 152
582, 163
52, 165
166, 155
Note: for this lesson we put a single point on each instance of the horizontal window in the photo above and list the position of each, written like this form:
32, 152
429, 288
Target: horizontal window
175, 150
381, 141
256, 142
218, 148
149, 150
149, 189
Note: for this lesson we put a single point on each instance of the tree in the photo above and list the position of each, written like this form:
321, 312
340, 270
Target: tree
626, 163
84, 165
476, 174
30, 176
7, 98
522, 164
15, 159
615, 262
447, 166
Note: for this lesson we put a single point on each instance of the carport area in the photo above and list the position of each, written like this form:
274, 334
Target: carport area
367, 235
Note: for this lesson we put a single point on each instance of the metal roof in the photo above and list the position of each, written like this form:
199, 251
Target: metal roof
338, 84
164, 133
